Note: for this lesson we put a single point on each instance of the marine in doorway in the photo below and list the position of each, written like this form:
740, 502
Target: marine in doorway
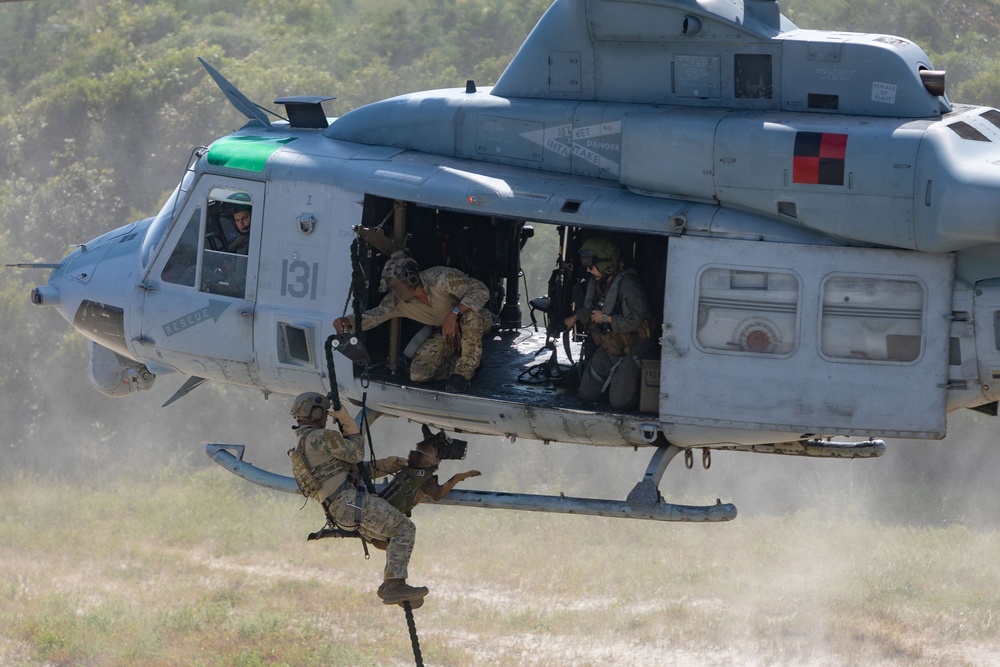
441, 297
327, 467
615, 314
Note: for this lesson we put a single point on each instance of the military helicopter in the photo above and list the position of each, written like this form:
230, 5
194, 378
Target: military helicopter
815, 222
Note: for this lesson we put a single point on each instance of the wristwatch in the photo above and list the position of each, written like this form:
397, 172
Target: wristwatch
456, 310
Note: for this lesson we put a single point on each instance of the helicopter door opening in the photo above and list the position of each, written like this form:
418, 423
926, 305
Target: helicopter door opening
789, 338
199, 309
515, 259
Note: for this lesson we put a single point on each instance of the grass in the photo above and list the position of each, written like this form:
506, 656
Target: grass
200, 568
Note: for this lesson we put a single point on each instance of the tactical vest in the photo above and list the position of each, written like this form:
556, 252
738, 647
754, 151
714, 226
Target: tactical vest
309, 479
616, 343
401, 490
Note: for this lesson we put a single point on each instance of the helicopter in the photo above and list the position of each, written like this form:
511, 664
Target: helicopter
816, 225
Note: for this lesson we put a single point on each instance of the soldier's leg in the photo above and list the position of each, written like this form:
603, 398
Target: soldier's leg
433, 360
592, 377
623, 392
381, 520
474, 324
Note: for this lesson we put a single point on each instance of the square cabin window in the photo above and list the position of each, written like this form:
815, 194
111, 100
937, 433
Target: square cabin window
872, 319
748, 311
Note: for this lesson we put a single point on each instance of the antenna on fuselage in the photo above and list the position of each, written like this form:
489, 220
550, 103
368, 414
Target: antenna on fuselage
235, 97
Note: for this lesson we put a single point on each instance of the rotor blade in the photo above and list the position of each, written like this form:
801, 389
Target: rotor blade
235, 97
186, 388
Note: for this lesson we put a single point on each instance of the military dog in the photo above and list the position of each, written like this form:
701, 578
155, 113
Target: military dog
415, 483
418, 482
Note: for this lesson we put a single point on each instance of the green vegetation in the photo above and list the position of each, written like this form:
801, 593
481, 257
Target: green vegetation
114, 554
102, 103
206, 570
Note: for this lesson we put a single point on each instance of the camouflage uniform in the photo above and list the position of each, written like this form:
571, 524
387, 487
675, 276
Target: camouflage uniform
446, 288
614, 366
332, 456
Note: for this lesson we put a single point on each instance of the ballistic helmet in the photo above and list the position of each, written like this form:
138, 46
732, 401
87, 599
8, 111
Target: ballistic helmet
305, 403
602, 253
240, 202
400, 267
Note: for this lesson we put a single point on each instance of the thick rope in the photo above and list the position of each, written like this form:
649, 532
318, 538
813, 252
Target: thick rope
417, 658
334, 393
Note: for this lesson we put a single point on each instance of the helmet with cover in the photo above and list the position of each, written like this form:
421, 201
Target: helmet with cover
400, 268
304, 404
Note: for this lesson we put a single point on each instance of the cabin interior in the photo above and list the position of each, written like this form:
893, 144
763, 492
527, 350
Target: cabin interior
530, 268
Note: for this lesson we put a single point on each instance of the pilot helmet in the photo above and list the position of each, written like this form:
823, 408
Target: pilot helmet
240, 202
401, 267
602, 253
304, 404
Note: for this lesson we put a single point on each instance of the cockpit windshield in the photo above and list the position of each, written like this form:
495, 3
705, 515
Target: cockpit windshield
158, 228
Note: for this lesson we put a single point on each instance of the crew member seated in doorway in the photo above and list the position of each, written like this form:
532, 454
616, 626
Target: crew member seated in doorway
614, 312
444, 298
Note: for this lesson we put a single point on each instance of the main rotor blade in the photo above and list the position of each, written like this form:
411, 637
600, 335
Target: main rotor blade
235, 97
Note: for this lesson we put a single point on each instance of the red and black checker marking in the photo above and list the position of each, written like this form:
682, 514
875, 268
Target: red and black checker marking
819, 158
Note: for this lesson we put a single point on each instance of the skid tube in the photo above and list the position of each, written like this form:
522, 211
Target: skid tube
644, 501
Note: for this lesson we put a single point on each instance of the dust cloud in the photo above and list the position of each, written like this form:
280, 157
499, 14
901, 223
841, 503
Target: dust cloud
81, 432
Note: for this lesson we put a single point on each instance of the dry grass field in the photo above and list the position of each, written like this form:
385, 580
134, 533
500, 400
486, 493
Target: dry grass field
203, 569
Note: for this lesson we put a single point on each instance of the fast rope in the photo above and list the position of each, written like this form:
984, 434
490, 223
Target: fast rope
334, 396
334, 393
417, 657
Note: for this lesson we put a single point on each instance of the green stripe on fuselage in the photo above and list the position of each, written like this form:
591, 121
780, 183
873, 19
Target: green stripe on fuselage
243, 152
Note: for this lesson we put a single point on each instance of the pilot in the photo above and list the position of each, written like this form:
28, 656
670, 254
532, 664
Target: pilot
333, 478
440, 297
241, 220
229, 275
614, 312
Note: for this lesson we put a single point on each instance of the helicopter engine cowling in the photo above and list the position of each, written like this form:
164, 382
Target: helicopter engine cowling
116, 376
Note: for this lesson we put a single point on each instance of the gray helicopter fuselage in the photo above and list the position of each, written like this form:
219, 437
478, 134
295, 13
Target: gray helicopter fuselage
818, 223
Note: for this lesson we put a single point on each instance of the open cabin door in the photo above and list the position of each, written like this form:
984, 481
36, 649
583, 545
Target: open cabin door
198, 310
806, 339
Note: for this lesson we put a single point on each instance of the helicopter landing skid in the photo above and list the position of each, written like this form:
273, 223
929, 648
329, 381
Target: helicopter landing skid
644, 502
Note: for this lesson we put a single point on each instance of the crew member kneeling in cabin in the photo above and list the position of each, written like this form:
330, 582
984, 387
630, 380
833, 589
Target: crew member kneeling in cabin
326, 467
440, 297
615, 314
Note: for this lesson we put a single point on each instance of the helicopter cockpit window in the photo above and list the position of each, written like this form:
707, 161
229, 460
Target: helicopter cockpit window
161, 222
748, 311
872, 319
227, 240
182, 267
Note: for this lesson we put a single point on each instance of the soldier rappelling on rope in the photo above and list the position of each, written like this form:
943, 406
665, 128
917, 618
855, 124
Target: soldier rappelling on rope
329, 467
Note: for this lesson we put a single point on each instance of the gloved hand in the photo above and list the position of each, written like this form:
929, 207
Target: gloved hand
346, 421
390, 465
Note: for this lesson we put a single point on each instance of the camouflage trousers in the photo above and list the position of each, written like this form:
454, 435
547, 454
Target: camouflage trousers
436, 360
379, 521
617, 375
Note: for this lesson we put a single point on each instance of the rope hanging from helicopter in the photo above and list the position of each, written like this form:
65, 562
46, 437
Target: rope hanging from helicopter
337, 341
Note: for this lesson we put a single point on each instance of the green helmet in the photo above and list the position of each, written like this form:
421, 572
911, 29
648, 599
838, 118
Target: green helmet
304, 404
401, 267
602, 253
240, 201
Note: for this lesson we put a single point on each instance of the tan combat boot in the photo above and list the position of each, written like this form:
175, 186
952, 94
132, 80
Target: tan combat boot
395, 591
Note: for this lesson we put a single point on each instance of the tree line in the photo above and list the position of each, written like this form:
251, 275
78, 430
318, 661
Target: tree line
101, 104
